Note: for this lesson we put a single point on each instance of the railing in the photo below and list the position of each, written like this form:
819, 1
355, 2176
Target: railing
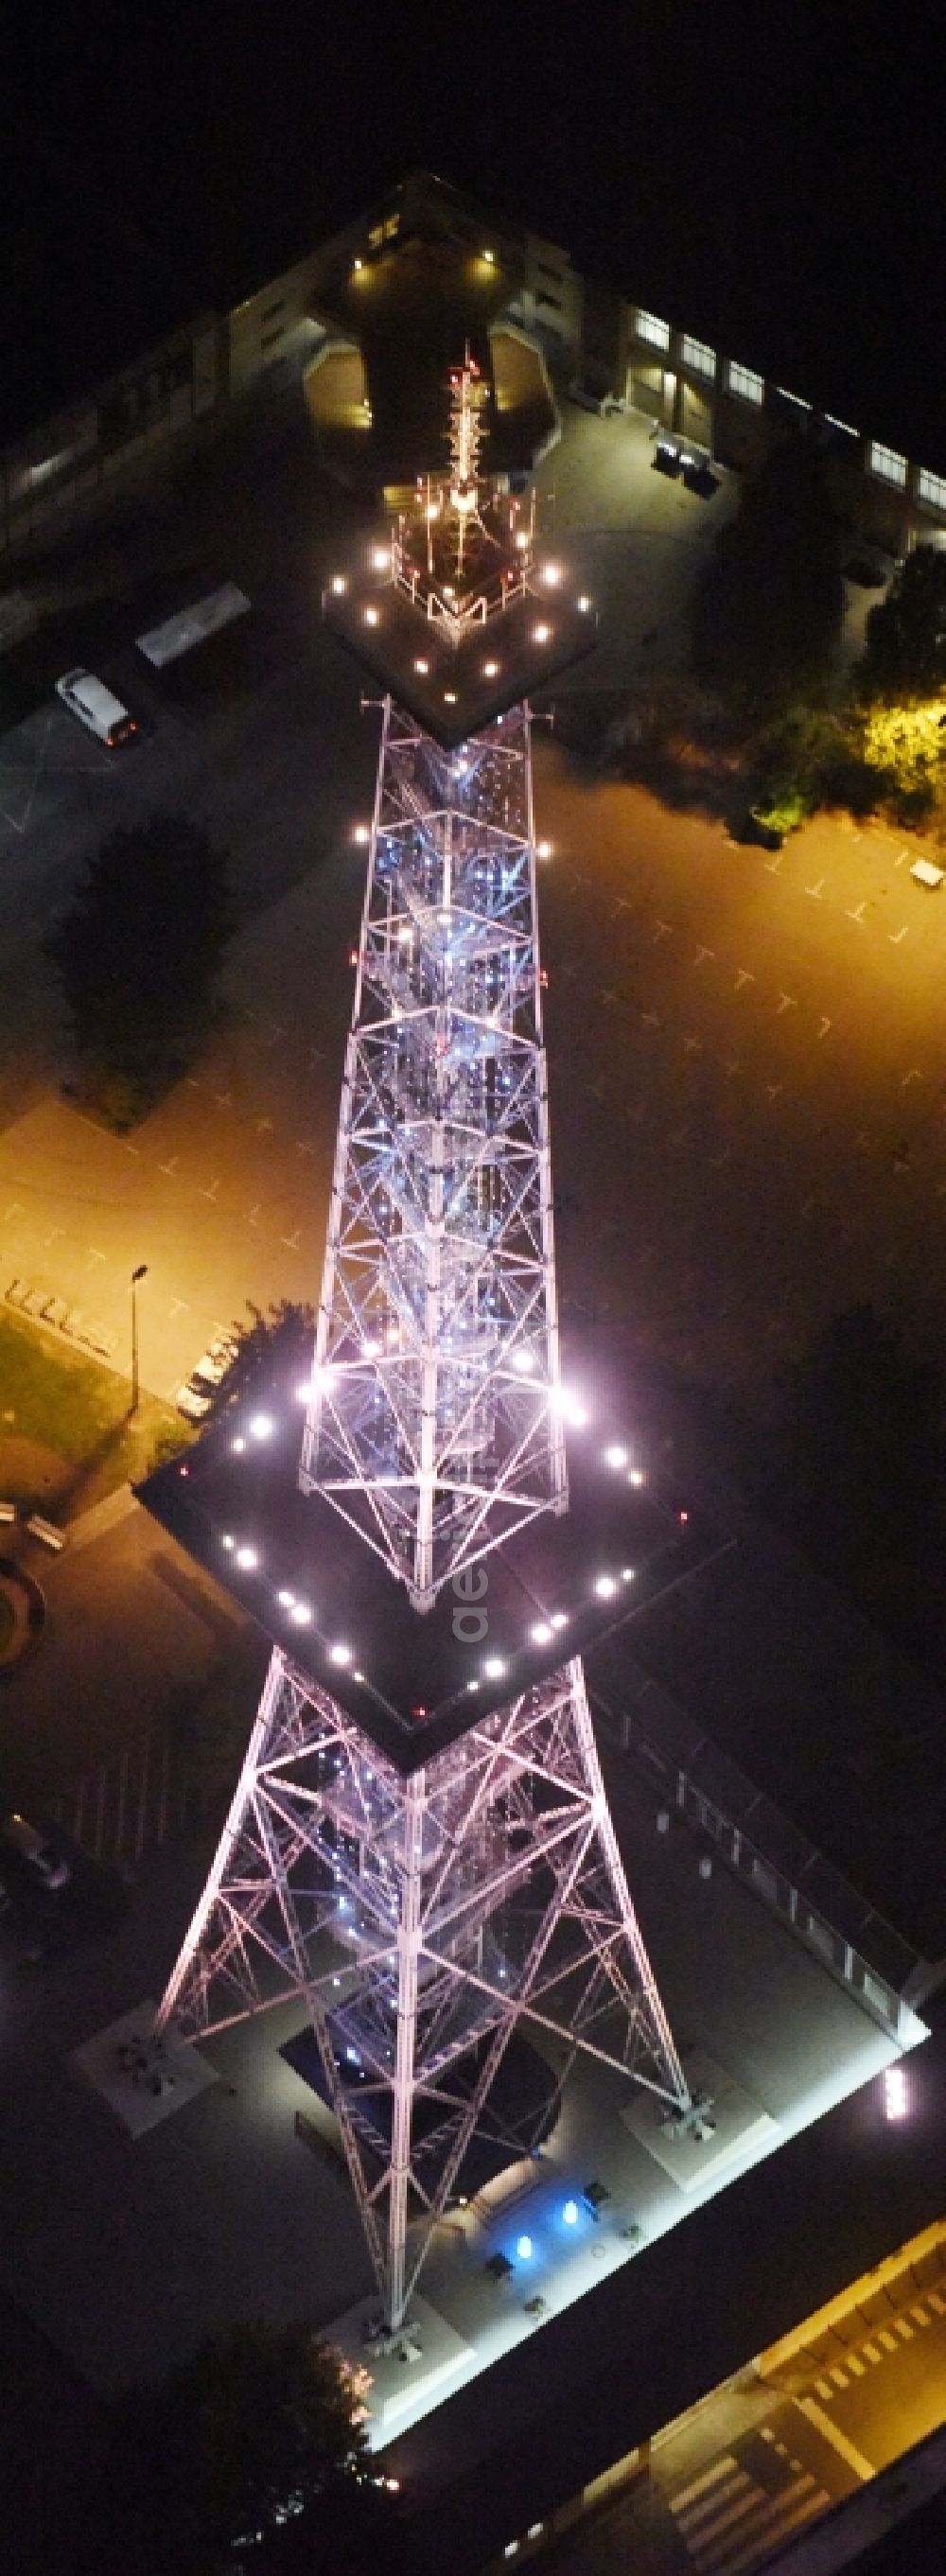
855, 1943
457, 621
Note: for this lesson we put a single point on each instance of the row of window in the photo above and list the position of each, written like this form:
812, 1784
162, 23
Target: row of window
695, 354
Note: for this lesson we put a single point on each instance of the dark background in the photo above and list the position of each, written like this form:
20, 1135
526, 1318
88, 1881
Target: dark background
768, 175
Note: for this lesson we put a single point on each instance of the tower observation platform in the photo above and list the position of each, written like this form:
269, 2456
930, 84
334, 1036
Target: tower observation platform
419, 1846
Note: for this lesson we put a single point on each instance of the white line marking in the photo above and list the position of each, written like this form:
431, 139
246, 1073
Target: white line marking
224, 1099
825, 1025
858, 913
710, 2478
171, 1167
178, 1306
895, 936
94, 1256
663, 931
650, 1019
703, 953
816, 890
914, 1075
743, 977
211, 1194
253, 1216
773, 1089
14, 1209
772, 866
305, 1146
786, 1004
264, 1126
839, 2442
732, 1066
292, 1241
693, 1046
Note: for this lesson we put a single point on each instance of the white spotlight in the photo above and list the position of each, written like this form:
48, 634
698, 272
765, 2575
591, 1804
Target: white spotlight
247, 1557
261, 1426
340, 1654
541, 1634
605, 1587
615, 1456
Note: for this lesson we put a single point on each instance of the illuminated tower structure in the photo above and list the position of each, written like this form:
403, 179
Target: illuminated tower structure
419, 1847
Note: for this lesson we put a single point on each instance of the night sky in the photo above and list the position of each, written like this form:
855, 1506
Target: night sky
768, 175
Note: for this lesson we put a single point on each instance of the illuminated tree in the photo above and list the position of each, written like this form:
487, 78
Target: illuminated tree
906, 632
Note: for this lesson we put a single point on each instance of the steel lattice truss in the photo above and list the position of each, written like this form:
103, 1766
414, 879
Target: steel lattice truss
432, 1423
421, 1918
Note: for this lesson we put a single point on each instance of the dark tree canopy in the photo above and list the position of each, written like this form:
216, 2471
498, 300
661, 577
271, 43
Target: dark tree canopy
768, 611
260, 2422
906, 632
137, 953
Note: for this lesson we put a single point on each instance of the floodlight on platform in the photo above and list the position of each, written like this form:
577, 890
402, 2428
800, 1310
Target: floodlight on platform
469, 1853
261, 1426
614, 1455
570, 2213
543, 849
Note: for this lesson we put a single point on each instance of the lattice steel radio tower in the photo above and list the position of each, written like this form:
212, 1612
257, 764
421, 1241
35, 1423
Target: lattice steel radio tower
419, 1846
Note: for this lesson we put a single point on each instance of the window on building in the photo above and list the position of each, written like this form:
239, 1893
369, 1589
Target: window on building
932, 488
745, 382
545, 270
268, 338
697, 355
376, 237
649, 327
886, 464
272, 310
553, 302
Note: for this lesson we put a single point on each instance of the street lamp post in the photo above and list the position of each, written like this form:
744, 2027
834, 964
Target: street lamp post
140, 1273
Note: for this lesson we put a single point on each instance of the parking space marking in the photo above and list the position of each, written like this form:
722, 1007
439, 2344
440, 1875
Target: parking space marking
621, 905
304, 1145
263, 1126
178, 1306
732, 1067
224, 1099
895, 936
693, 1046
717, 1160
650, 1019
772, 866
14, 1209
253, 1215
858, 913
785, 1003
914, 1075
211, 1194
94, 1256
316, 1055
54, 1231
171, 1166
608, 996
292, 1241
133, 1149
743, 976
663, 931
825, 1025
702, 954
816, 890
773, 1089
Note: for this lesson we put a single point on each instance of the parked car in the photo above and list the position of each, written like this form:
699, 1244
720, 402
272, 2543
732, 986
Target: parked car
752, 829
31, 1847
195, 1397
97, 708
666, 458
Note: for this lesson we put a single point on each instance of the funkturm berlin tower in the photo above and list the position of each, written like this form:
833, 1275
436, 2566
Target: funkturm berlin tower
419, 1850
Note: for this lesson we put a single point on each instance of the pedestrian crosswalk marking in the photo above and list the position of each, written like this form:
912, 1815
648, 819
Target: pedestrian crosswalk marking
839, 2376
885, 2337
921, 2313
824, 2388
937, 2301
721, 2469
704, 2507
804, 2508
903, 2327
856, 2365
872, 2352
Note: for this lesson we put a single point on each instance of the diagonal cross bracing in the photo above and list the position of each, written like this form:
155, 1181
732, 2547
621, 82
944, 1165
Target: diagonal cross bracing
430, 1423
420, 1920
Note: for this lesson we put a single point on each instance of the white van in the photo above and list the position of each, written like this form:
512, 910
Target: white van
97, 707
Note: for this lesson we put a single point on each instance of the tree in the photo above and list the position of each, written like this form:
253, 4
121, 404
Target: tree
217, 2457
270, 1344
767, 614
136, 957
906, 633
